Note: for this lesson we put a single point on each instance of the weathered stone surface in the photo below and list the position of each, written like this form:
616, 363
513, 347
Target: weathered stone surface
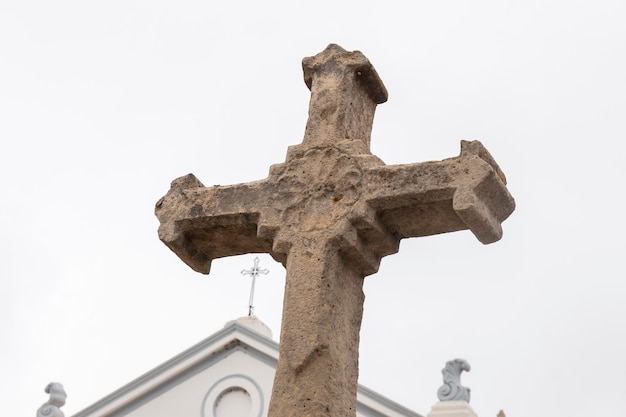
329, 213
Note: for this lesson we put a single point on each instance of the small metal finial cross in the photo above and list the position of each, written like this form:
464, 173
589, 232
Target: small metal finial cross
254, 272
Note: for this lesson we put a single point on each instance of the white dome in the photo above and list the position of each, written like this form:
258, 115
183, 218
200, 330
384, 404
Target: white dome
253, 322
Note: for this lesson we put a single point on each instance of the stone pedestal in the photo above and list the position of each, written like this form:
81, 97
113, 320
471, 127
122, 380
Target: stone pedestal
452, 409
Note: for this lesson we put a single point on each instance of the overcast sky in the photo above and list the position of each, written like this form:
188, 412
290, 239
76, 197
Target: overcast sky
103, 104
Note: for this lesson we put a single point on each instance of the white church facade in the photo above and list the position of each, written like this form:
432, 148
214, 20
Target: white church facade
228, 374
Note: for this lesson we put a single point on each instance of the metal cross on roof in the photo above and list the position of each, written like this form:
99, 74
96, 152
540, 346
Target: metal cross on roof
254, 272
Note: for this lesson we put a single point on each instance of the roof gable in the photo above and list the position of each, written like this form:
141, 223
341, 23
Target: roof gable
200, 376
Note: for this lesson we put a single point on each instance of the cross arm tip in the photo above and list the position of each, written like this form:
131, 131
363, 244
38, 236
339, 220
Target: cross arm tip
354, 61
485, 204
475, 147
184, 249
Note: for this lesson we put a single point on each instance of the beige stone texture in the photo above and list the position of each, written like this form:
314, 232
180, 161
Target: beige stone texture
329, 213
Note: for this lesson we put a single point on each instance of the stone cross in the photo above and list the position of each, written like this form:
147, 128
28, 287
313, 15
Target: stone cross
329, 213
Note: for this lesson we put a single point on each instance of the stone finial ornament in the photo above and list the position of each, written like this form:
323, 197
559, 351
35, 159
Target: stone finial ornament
51, 408
452, 390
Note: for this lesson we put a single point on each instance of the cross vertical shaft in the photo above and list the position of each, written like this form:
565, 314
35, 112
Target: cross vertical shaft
318, 368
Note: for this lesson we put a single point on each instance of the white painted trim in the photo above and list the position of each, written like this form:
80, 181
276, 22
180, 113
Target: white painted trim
234, 336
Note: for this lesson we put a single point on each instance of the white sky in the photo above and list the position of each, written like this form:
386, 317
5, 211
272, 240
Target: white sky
102, 104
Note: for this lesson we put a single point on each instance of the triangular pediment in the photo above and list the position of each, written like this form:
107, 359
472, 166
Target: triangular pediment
233, 368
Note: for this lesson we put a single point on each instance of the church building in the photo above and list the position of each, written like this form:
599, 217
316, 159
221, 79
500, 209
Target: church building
228, 374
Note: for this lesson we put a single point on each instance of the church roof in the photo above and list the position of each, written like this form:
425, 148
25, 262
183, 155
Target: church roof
245, 339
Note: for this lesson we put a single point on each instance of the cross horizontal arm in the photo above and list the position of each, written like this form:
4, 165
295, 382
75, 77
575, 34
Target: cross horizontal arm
202, 223
466, 192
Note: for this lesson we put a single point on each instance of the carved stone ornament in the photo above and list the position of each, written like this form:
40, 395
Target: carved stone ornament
51, 408
452, 390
